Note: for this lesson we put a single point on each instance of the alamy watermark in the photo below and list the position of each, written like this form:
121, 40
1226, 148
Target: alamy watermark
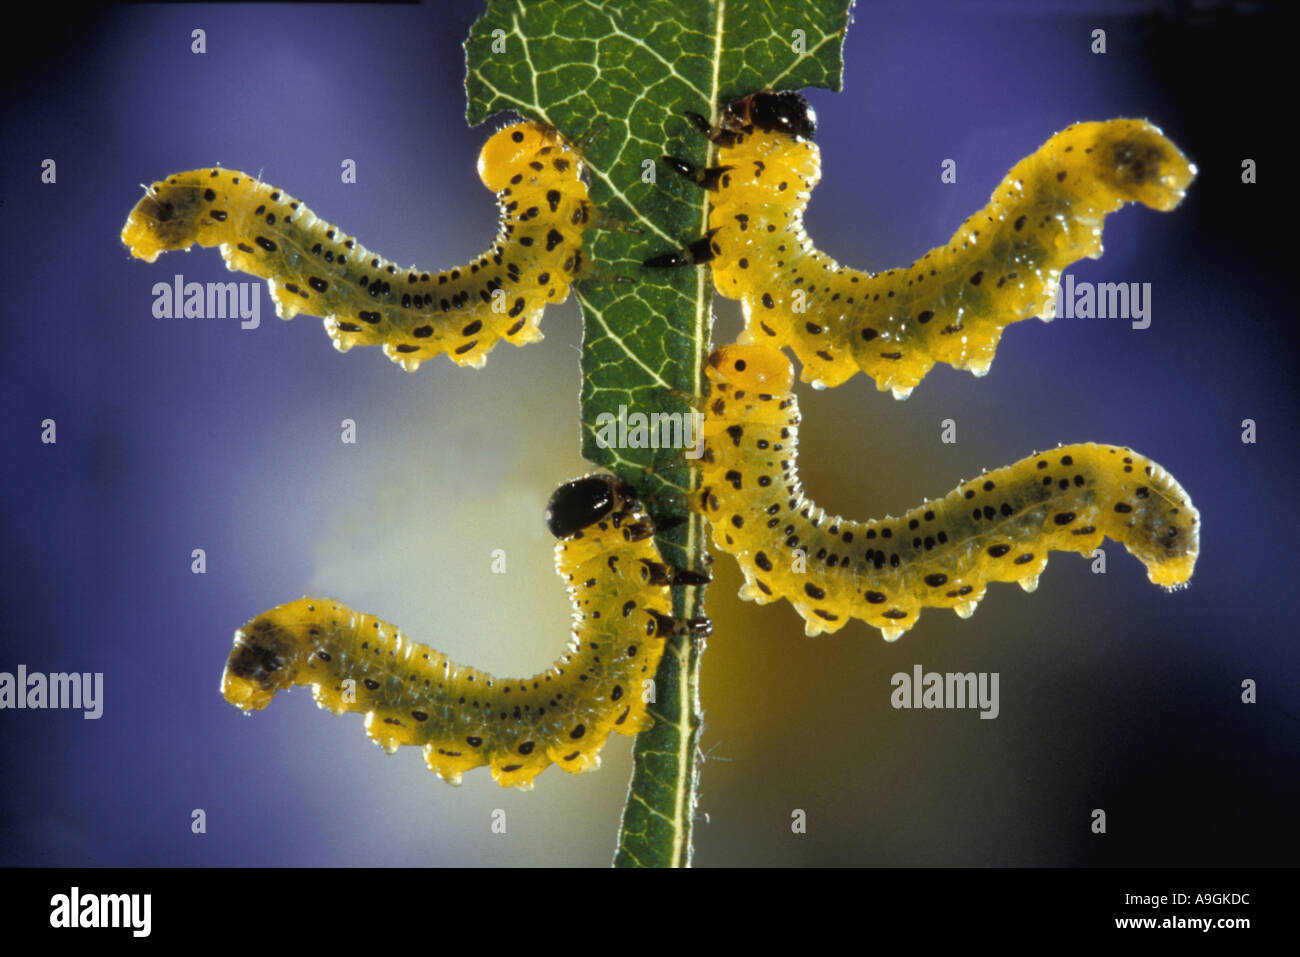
658, 430
76, 909
1104, 300
211, 300
80, 690
932, 689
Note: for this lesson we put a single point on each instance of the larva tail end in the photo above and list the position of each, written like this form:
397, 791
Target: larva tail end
244, 694
263, 661
1172, 568
1141, 164
166, 218
1173, 575
1162, 528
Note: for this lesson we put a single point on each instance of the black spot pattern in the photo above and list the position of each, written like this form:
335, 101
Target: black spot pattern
944, 553
464, 718
317, 269
951, 305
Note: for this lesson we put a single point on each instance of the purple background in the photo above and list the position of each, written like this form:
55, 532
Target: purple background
176, 434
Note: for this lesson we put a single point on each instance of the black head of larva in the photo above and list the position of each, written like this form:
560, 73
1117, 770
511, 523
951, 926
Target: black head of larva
583, 502
786, 112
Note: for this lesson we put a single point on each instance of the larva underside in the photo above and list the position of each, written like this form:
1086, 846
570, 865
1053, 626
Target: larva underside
464, 718
1001, 266
318, 269
996, 527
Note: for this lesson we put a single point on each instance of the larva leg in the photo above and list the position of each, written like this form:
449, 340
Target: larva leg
706, 177
686, 576
464, 718
999, 526
695, 254
700, 123
318, 269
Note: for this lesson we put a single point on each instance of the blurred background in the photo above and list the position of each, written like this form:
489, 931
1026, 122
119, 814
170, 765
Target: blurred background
183, 434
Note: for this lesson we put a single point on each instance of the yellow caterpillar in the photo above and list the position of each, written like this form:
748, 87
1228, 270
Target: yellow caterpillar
996, 527
464, 718
951, 305
318, 269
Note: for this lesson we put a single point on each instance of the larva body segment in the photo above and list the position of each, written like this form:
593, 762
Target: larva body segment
462, 717
999, 526
951, 305
315, 268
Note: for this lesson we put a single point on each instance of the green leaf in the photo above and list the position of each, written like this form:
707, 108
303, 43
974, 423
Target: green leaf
616, 78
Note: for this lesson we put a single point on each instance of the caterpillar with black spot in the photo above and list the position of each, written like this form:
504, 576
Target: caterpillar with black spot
464, 718
998, 526
951, 305
318, 269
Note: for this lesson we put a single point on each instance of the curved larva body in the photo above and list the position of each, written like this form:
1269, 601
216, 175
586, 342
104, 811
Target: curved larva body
951, 305
462, 717
318, 269
996, 527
